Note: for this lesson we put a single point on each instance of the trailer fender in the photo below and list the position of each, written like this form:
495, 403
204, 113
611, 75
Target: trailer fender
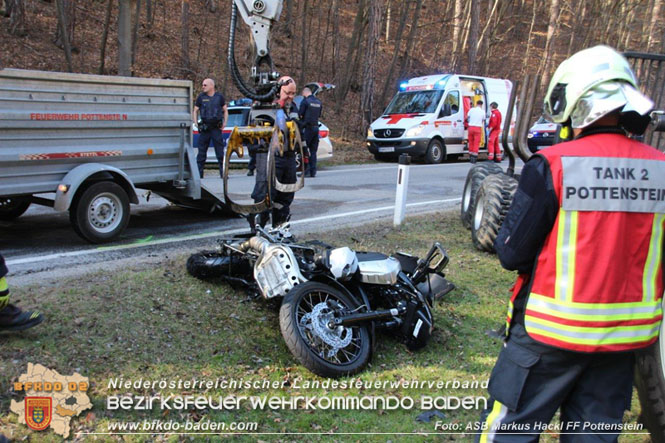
64, 195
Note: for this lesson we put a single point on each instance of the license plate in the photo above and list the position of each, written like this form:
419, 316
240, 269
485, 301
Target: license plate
387, 149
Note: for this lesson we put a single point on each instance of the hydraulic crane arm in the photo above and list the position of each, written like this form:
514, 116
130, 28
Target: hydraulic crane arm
259, 15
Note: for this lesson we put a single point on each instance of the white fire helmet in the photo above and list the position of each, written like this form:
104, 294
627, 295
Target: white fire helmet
591, 84
343, 263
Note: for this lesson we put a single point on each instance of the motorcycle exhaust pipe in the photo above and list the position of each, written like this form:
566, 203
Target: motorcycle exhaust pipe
354, 319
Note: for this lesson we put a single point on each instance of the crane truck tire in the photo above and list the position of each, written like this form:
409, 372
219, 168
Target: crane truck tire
474, 178
491, 206
650, 383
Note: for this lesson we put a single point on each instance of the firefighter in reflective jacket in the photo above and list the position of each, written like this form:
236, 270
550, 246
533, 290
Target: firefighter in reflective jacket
585, 233
310, 112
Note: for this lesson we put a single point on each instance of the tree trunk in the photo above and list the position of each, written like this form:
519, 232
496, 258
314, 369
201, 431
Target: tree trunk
396, 50
528, 43
655, 18
105, 36
458, 21
336, 38
16, 10
66, 13
184, 36
354, 44
211, 5
410, 40
124, 37
473, 34
367, 94
136, 19
549, 42
304, 47
63, 27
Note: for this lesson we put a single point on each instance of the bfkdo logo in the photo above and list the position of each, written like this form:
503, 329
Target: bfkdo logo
38, 412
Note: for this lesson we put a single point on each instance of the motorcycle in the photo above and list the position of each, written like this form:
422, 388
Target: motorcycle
334, 300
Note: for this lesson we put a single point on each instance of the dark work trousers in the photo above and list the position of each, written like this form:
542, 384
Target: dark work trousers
252, 161
530, 381
285, 172
312, 141
214, 134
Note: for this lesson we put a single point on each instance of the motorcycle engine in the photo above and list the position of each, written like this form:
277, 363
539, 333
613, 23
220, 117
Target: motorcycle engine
277, 271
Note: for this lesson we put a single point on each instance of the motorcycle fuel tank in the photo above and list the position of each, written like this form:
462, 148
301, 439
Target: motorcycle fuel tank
382, 271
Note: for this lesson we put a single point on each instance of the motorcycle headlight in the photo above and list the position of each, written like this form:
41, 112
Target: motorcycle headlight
370, 133
415, 131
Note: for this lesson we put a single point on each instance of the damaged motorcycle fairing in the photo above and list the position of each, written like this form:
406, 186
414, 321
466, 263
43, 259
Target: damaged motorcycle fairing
271, 141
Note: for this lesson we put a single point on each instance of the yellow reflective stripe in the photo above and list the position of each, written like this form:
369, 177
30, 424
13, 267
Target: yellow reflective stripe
641, 311
592, 336
604, 341
3, 284
592, 306
509, 316
493, 419
566, 255
654, 258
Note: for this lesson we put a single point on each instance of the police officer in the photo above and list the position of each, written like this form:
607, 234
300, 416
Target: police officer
588, 247
310, 112
213, 115
285, 164
12, 318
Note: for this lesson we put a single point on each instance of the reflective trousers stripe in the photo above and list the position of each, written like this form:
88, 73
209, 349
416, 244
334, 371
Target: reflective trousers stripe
493, 421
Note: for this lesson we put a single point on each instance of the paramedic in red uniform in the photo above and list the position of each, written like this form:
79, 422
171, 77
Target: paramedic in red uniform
493, 150
587, 242
476, 118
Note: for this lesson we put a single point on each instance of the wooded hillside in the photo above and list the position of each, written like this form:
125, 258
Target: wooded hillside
364, 47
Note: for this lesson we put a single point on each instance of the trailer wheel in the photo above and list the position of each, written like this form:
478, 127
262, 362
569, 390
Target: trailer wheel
435, 152
650, 383
13, 207
492, 203
101, 212
474, 178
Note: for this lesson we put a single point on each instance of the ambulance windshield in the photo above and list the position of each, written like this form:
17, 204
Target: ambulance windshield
414, 102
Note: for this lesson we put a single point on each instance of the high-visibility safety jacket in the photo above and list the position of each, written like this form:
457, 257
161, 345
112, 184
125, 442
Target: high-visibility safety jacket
597, 284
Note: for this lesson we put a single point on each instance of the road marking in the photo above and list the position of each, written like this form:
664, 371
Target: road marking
41, 258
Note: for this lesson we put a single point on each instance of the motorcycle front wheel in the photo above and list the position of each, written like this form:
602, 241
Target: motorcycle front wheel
304, 321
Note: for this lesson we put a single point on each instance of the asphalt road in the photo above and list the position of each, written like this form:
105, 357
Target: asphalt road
42, 240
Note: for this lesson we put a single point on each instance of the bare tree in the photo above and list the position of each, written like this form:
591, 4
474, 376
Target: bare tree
457, 28
396, 51
353, 47
15, 9
184, 36
410, 39
546, 60
64, 28
105, 36
655, 19
304, 47
136, 19
125, 37
369, 69
66, 14
473, 34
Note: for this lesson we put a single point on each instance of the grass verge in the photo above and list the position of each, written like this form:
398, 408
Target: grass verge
162, 324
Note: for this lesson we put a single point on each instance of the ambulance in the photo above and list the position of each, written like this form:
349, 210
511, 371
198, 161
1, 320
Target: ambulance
427, 117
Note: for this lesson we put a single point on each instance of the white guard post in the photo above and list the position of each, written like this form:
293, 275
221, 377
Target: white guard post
402, 187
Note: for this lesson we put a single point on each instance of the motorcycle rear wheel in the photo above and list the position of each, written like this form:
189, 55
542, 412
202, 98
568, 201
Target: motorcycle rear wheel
314, 345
